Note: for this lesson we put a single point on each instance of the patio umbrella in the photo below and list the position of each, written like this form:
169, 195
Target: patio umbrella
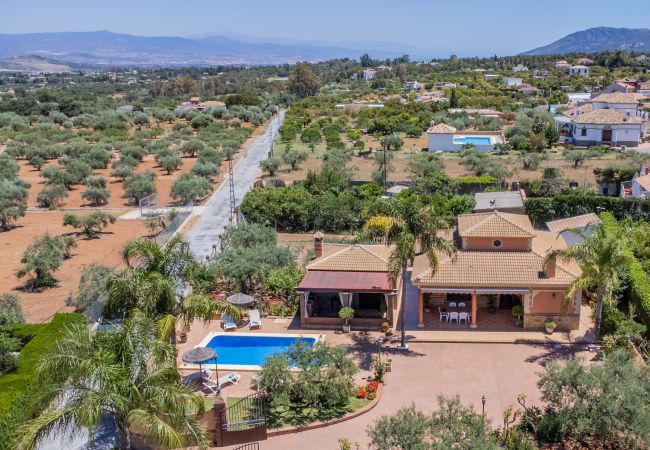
199, 355
240, 299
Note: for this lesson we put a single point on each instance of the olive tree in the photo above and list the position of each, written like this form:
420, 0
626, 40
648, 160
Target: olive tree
170, 162
122, 171
191, 187
96, 192
139, 185
270, 165
43, 257
51, 196
191, 148
90, 225
293, 158
206, 169
13, 202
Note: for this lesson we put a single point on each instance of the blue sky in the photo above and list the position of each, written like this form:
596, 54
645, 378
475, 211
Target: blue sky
464, 27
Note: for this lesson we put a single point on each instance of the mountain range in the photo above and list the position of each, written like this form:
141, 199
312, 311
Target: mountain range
104, 48
598, 39
57, 50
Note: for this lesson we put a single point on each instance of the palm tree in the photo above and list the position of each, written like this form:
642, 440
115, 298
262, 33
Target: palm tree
150, 286
127, 373
146, 255
411, 234
600, 255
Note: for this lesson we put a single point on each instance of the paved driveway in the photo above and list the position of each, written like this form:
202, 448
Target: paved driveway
211, 223
498, 371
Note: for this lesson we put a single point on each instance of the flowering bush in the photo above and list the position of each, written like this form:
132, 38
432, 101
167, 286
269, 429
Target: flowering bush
372, 386
361, 392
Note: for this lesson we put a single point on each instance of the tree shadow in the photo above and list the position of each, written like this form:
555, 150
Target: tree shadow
365, 346
551, 351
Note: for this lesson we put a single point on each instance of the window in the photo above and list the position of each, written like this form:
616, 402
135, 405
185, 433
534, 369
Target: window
497, 243
583, 132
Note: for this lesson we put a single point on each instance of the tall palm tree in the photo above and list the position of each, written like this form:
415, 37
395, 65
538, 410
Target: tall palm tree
127, 373
411, 234
150, 286
600, 255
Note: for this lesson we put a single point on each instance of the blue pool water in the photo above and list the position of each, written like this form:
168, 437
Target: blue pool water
476, 140
251, 350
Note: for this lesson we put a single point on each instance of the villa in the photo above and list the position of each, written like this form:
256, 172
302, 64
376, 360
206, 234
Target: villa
195, 103
348, 275
579, 69
609, 119
500, 264
443, 137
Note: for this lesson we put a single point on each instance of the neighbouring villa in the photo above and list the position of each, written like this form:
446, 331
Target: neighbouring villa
347, 275
196, 104
639, 186
499, 264
611, 119
443, 137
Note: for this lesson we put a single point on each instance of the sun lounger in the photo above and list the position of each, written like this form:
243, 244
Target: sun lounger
254, 319
228, 323
215, 385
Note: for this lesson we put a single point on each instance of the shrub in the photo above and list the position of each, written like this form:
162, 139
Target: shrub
20, 398
11, 313
270, 166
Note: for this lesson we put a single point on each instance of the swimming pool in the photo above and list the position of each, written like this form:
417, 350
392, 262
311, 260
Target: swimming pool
249, 351
476, 140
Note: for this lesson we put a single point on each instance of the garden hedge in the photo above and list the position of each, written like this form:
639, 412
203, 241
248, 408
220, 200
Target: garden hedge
543, 209
640, 291
17, 388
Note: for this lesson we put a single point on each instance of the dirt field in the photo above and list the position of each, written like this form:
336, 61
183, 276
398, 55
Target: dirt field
40, 306
364, 167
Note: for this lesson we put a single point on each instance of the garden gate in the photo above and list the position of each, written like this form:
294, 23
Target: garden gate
241, 422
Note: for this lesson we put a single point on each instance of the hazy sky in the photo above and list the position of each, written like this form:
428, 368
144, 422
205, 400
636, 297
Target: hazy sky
464, 27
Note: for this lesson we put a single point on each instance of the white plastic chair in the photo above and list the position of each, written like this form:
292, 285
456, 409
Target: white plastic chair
443, 315
254, 319
453, 316
452, 304
461, 304
463, 317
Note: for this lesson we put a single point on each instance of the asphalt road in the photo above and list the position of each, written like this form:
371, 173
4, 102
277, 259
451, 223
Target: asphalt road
216, 215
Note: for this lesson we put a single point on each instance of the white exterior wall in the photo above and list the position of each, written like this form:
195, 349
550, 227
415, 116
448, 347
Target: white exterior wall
620, 133
513, 81
584, 71
439, 141
637, 190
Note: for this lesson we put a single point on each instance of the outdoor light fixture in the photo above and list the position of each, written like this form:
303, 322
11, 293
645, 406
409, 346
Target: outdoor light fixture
483, 403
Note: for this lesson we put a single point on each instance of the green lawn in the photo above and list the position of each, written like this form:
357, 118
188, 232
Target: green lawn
304, 416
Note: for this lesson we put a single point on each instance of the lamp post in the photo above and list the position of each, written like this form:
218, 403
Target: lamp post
483, 403
216, 374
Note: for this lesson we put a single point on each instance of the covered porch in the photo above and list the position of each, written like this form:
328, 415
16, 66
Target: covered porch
324, 293
465, 308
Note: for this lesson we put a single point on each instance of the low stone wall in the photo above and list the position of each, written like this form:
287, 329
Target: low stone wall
563, 321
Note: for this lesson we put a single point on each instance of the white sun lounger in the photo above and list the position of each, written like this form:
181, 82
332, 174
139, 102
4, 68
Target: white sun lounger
254, 319
228, 323
213, 385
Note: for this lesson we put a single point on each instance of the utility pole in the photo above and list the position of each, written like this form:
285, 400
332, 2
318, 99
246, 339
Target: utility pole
385, 170
232, 185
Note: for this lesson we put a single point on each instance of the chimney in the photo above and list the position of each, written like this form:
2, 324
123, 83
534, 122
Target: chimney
318, 244
549, 268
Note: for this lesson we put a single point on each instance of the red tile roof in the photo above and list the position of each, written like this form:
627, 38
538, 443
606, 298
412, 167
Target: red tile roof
346, 281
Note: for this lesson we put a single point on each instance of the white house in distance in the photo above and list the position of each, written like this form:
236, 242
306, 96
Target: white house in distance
513, 81
639, 186
369, 74
614, 119
520, 68
445, 138
579, 70
562, 64
584, 61
491, 76
412, 85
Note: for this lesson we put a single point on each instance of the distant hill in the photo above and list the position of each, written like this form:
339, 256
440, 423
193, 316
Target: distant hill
105, 48
598, 39
31, 63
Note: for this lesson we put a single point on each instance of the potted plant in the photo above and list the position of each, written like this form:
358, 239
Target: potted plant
550, 326
182, 336
346, 313
389, 365
517, 312
384, 327
427, 304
